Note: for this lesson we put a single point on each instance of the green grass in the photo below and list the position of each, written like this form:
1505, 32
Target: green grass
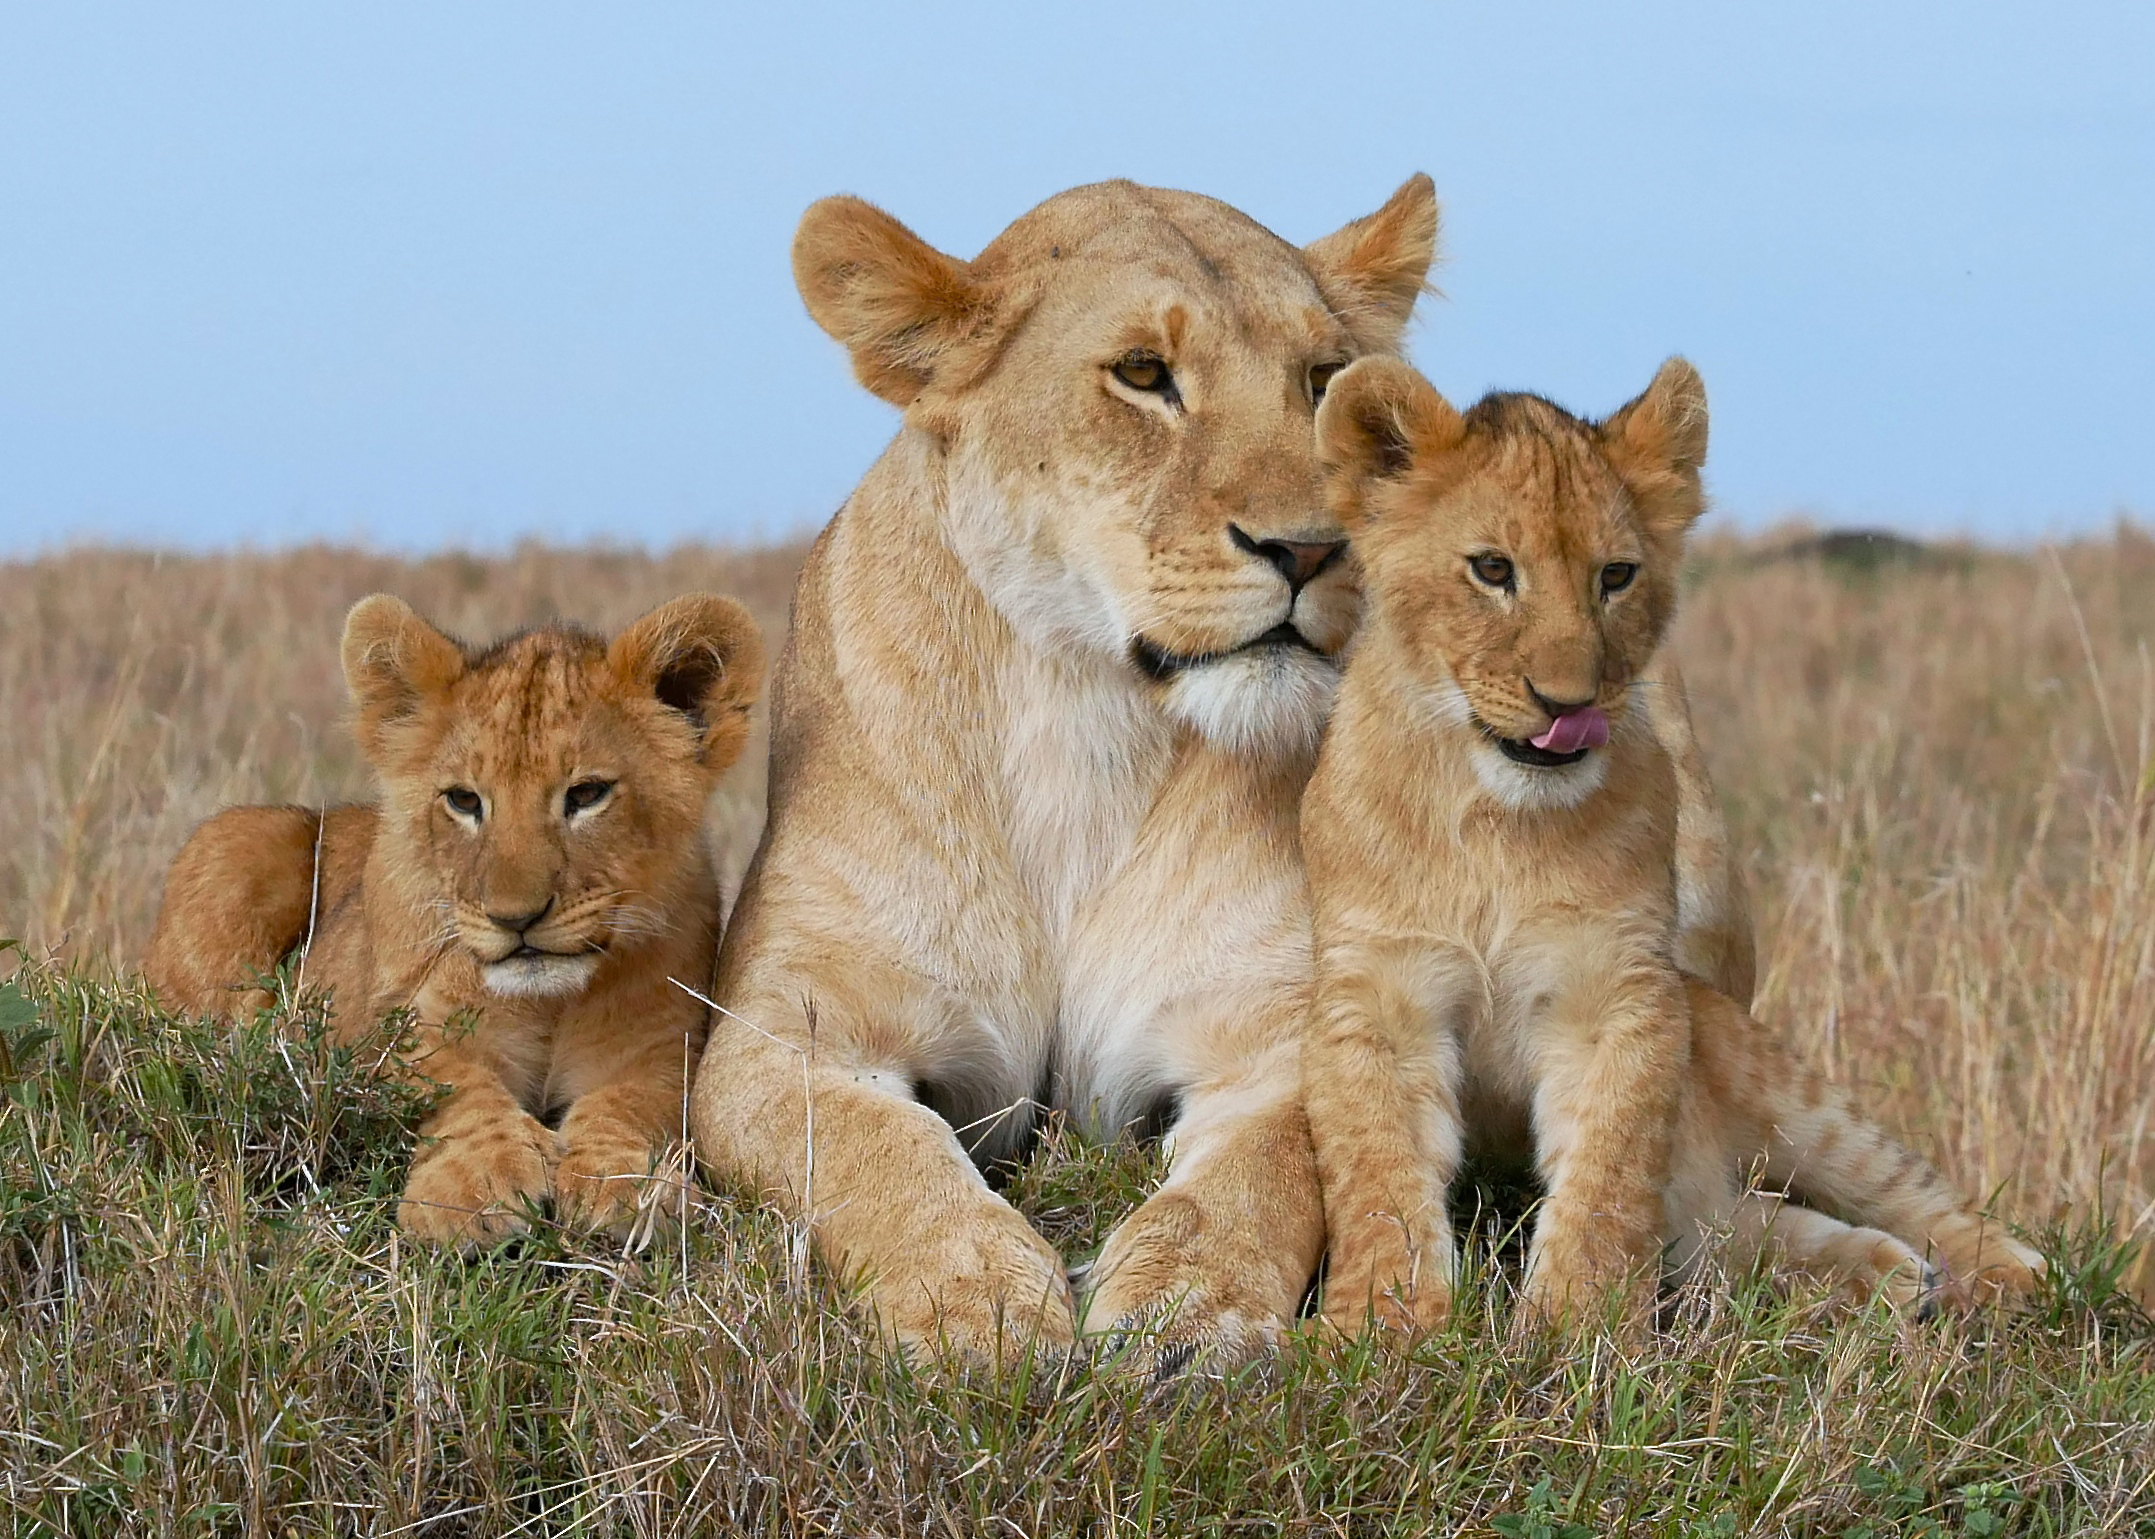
210, 1326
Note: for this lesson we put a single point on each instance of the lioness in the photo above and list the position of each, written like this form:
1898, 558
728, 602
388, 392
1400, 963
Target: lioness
529, 880
1056, 673
1491, 836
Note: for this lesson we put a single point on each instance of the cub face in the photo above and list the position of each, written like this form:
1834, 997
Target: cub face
546, 794
1121, 387
1524, 560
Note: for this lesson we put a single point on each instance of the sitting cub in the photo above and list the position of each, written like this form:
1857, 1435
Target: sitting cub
1490, 837
528, 881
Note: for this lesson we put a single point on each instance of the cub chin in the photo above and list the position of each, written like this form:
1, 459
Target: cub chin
528, 881
1491, 845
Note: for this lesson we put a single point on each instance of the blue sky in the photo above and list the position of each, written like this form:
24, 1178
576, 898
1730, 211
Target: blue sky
453, 275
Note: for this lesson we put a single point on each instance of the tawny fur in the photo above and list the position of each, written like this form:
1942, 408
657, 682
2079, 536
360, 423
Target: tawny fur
1031, 827
533, 939
1501, 946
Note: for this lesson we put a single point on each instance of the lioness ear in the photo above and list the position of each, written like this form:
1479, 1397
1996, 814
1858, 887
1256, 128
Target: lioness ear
1378, 418
702, 655
906, 312
1657, 444
393, 660
1372, 271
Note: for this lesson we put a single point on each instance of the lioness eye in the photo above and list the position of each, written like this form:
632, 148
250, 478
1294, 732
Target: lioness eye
1617, 575
464, 802
586, 794
1144, 371
1493, 569
1319, 378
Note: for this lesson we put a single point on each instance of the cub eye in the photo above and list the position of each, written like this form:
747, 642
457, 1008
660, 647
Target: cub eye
586, 794
465, 802
1319, 377
1617, 575
1493, 569
1144, 371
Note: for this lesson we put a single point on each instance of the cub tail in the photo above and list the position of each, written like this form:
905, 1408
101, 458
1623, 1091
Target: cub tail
1800, 1135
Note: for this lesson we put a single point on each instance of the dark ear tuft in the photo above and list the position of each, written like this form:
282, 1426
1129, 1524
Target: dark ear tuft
1373, 270
1378, 419
393, 660
688, 681
908, 314
701, 655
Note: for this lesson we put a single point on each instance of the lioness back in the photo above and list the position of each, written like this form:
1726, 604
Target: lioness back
533, 865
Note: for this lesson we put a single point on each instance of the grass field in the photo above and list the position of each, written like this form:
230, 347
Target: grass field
1941, 774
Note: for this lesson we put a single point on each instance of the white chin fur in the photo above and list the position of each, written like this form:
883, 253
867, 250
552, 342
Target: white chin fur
1522, 787
539, 977
1269, 701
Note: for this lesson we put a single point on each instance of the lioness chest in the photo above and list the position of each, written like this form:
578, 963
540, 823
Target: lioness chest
1158, 884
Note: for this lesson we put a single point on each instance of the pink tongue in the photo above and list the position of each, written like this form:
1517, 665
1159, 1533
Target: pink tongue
1574, 730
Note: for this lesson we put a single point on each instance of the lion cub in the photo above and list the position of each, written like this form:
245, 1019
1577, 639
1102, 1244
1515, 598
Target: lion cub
1491, 844
528, 881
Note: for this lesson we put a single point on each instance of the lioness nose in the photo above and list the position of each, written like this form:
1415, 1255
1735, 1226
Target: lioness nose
1296, 560
519, 922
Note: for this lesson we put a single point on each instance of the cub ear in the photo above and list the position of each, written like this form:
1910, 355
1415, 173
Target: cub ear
702, 655
1657, 444
393, 660
908, 314
1378, 418
1372, 271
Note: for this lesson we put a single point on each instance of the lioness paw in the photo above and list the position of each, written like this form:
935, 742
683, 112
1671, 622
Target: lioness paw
472, 1188
1007, 1292
1170, 1290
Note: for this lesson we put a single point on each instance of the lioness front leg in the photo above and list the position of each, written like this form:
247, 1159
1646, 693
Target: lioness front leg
896, 1207
1217, 1260
481, 1158
1610, 1073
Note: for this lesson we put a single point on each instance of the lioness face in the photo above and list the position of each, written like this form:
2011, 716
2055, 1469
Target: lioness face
1525, 561
550, 789
1123, 388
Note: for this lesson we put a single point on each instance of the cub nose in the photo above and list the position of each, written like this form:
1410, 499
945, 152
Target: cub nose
1296, 560
520, 921
1556, 707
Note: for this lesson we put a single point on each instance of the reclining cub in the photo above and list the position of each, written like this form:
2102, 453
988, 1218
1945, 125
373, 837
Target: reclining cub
1491, 836
528, 881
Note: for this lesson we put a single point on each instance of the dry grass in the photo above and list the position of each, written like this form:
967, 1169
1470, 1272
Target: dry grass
1941, 777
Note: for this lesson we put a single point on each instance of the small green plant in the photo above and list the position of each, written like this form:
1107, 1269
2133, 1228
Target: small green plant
1541, 1519
1986, 1508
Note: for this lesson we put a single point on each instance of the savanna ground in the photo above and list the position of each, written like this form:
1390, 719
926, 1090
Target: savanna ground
1941, 774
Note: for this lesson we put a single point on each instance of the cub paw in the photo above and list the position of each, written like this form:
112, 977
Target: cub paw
1355, 1300
600, 1183
983, 1292
1572, 1289
470, 1188
1888, 1269
1983, 1264
1169, 1293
